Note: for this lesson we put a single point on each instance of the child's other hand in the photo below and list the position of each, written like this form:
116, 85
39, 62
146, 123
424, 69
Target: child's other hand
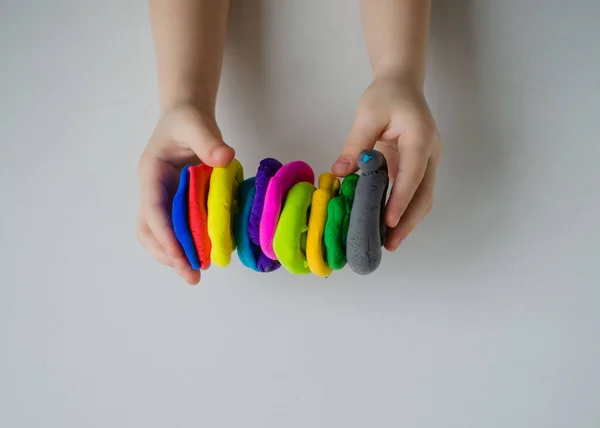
393, 113
183, 135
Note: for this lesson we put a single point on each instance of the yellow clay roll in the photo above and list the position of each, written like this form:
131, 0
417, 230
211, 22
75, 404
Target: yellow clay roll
329, 186
222, 205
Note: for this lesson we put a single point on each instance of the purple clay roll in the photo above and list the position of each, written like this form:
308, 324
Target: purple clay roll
266, 170
265, 264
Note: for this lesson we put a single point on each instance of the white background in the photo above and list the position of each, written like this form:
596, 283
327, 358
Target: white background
488, 316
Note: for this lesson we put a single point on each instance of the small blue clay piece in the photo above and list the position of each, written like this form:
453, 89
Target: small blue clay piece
180, 219
367, 230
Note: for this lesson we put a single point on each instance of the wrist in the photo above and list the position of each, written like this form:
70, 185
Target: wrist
182, 94
407, 84
187, 100
407, 74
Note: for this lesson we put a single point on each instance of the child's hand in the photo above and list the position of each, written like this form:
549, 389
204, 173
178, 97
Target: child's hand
183, 135
394, 113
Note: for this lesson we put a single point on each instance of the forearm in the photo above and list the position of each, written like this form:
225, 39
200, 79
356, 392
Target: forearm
189, 36
396, 33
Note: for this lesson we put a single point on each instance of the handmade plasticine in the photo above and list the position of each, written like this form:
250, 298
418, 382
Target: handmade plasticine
249, 253
315, 254
266, 170
366, 231
222, 205
345, 228
198, 213
179, 216
289, 241
336, 226
277, 189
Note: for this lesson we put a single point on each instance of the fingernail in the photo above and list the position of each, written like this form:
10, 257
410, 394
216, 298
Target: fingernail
341, 164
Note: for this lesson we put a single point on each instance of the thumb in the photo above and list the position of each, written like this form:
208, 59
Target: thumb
363, 135
201, 134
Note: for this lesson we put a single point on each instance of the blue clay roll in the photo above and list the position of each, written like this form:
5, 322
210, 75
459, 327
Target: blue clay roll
180, 219
249, 253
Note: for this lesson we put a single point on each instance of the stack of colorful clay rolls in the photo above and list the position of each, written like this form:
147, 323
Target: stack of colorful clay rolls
279, 218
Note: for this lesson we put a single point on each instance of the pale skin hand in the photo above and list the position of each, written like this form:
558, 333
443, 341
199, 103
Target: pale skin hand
189, 37
393, 113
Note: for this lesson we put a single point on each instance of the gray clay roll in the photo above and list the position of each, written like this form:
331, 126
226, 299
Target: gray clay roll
367, 230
